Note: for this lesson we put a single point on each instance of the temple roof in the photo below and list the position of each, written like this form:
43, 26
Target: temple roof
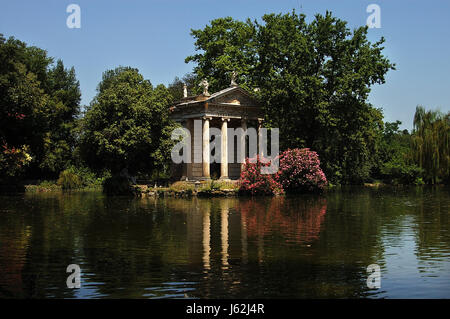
233, 102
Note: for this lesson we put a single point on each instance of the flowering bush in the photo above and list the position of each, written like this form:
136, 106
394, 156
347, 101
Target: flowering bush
13, 160
255, 183
300, 171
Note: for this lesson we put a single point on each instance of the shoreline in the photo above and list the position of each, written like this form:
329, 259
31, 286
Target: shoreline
181, 189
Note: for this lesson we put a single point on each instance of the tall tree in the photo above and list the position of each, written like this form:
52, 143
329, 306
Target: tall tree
431, 144
314, 79
38, 105
127, 125
63, 107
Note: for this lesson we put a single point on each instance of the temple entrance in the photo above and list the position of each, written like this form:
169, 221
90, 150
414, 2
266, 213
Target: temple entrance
215, 170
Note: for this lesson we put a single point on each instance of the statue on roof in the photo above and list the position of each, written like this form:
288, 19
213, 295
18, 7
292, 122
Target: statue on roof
233, 78
204, 83
185, 93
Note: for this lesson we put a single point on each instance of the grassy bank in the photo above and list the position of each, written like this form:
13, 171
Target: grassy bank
52, 186
211, 188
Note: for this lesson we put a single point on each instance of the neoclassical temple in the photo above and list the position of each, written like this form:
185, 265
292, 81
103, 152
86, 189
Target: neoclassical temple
232, 107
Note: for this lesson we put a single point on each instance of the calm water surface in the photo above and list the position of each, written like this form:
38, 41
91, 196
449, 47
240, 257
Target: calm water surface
293, 247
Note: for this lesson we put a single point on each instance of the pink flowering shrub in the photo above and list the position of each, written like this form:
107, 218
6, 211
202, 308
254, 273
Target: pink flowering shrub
300, 171
254, 183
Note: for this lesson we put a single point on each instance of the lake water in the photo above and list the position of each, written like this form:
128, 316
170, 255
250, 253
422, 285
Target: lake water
282, 247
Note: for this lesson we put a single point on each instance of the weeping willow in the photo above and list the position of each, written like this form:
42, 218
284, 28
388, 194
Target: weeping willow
431, 144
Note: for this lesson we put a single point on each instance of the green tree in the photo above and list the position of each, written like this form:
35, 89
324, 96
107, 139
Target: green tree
226, 45
63, 108
127, 125
176, 87
431, 144
395, 163
314, 80
38, 105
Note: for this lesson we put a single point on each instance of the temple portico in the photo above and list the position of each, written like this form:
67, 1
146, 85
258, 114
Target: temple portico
231, 108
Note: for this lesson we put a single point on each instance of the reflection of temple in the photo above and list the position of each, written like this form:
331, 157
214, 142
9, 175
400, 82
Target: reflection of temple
222, 230
202, 223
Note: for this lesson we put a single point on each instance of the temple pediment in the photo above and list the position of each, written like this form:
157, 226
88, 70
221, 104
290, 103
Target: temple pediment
233, 95
233, 102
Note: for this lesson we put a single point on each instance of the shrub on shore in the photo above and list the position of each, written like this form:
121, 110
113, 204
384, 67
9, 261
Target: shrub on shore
254, 183
68, 180
299, 171
79, 177
44, 186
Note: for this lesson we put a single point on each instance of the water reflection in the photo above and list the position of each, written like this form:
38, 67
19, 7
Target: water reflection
299, 247
298, 221
224, 210
206, 238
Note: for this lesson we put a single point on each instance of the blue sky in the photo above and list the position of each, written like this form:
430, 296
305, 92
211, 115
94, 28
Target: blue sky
154, 36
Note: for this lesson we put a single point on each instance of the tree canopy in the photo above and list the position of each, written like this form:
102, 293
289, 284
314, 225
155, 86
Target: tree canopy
127, 124
39, 102
431, 144
313, 78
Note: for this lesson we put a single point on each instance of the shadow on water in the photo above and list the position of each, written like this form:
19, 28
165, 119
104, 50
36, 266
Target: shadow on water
281, 247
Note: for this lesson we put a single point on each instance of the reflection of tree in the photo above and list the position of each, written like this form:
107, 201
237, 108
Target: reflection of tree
39, 237
297, 221
433, 238
13, 249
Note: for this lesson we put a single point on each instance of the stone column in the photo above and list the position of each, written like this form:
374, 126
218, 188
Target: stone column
224, 150
190, 127
184, 173
243, 144
206, 150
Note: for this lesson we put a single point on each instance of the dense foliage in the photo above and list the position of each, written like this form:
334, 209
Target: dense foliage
39, 103
394, 157
314, 79
127, 125
69, 180
431, 144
